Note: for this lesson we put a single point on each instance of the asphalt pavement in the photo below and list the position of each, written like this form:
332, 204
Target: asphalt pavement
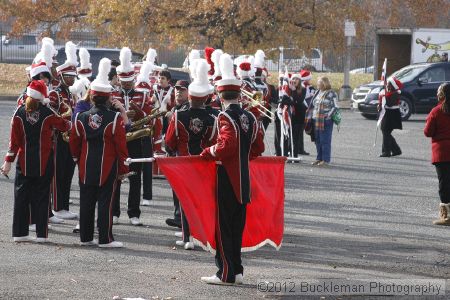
361, 217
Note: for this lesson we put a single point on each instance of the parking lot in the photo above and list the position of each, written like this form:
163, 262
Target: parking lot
361, 217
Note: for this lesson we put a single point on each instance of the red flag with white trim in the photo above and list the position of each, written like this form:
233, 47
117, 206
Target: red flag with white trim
265, 213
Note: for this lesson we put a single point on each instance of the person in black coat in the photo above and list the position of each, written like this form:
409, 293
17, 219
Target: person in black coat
298, 118
390, 117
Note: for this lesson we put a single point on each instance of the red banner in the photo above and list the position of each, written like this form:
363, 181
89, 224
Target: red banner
194, 181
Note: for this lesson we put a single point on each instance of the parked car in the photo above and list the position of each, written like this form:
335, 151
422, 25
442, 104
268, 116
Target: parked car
418, 95
21, 49
362, 70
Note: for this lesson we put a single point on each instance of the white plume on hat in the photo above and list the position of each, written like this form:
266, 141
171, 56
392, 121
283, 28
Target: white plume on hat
194, 55
80, 87
71, 54
259, 59
45, 54
125, 61
151, 56
215, 57
226, 66
200, 87
101, 82
144, 74
51, 42
85, 59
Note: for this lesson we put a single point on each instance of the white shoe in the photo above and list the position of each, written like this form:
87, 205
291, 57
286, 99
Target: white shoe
76, 229
214, 280
115, 220
41, 240
65, 214
189, 246
179, 234
135, 221
70, 201
180, 243
94, 242
32, 227
21, 239
55, 220
239, 279
145, 202
114, 244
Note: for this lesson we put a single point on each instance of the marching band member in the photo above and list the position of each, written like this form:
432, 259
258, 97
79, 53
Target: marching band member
239, 139
261, 85
182, 104
32, 129
61, 99
98, 146
164, 98
191, 130
136, 107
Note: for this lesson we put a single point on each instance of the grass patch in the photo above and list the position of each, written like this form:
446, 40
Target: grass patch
13, 79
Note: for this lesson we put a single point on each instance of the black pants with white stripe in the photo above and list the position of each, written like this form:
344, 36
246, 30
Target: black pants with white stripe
89, 196
32, 192
229, 229
64, 168
147, 169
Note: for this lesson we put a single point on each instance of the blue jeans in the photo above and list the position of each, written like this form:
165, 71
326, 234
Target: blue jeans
323, 141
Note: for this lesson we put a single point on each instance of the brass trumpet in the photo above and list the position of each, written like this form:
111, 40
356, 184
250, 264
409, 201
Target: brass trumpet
68, 113
254, 100
155, 113
137, 134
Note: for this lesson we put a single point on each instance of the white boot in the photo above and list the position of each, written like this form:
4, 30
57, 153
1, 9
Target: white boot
94, 242
189, 245
145, 202
41, 240
55, 220
65, 214
239, 279
115, 220
135, 221
32, 227
179, 234
180, 243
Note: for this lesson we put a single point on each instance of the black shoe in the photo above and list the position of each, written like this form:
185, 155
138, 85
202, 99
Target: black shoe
173, 223
396, 153
304, 153
385, 155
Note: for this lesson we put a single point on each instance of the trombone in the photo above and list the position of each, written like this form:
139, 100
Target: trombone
254, 100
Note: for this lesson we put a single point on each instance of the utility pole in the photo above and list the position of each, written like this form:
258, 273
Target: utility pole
346, 91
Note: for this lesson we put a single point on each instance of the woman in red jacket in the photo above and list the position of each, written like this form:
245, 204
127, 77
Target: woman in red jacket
438, 128
33, 125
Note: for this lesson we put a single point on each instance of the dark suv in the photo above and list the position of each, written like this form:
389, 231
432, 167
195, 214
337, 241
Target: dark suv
420, 84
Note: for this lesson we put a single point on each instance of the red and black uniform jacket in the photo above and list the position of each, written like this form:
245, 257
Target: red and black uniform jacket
239, 140
31, 138
190, 131
61, 95
98, 145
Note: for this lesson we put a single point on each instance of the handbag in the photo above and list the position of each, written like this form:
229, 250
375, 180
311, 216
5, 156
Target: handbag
337, 117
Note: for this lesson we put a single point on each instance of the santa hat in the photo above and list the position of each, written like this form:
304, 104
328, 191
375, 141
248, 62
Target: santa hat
244, 69
194, 55
69, 68
37, 89
305, 75
101, 86
397, 84
43, 61
228, 81
85, 68
200, 88
143, 79
125, 71
215, 57
80, 87
208, 54
296, 75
